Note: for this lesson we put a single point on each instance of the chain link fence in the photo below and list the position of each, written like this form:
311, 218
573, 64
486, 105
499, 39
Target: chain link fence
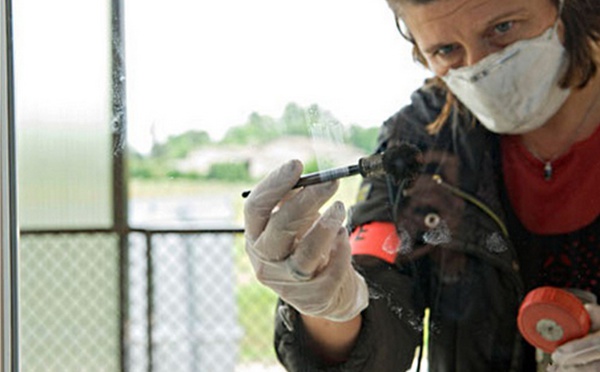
188, 302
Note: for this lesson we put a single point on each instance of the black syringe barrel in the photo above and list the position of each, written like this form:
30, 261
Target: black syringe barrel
327, 175
321, 177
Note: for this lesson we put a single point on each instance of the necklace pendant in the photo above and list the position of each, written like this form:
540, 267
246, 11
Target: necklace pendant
548, 171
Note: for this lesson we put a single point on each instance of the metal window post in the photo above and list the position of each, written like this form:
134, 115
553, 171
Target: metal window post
120, 192
9, 322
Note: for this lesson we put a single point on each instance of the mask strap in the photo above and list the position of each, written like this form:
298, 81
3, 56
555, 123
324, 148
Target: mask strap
561, 6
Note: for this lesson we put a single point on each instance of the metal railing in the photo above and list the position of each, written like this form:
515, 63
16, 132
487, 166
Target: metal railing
183, 300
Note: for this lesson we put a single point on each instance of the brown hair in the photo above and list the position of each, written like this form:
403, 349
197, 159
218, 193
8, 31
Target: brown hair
582, 34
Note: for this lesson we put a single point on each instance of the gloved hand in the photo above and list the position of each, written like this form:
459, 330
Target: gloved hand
303, 256
581, 355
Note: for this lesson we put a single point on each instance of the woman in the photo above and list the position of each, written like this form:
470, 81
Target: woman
506, 202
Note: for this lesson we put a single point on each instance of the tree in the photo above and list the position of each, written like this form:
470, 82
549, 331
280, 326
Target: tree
363, 138
258, 129
179, 146
295, 121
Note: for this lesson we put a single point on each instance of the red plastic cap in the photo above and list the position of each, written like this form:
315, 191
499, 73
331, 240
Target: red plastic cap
550, 316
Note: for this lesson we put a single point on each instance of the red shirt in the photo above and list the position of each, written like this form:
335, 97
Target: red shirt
566, 202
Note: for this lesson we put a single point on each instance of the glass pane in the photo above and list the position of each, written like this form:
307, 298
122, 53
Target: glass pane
62, 59
70, 302
219, 94
70, 314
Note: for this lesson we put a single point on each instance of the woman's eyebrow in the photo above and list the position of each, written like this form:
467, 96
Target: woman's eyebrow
489, 23
507, 15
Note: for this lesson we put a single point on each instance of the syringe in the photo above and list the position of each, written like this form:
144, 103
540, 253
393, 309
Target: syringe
400, 162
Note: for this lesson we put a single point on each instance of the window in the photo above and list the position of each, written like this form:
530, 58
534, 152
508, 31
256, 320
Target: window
138, 124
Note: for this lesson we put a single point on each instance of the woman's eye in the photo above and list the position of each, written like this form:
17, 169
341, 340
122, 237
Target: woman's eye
445, 50
503, 27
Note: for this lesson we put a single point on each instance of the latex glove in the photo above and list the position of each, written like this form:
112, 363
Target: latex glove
581, 355
303, 256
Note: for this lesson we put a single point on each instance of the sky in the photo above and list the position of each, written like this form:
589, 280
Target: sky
207, 65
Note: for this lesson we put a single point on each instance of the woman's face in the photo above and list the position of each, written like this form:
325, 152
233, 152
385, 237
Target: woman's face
457, 33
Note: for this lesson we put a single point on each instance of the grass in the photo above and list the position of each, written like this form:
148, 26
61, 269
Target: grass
257, 312
256, 309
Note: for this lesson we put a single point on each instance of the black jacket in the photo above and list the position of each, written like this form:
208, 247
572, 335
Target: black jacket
464, 270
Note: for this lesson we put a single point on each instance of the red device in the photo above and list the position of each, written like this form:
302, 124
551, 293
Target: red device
549, 317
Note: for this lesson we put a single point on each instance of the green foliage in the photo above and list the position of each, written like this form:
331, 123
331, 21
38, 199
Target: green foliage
363, 138
258, 130
179, 146
257, 304
313, 165
147, 167
229, 171
295, 121
173, 173
160, 162
139, 167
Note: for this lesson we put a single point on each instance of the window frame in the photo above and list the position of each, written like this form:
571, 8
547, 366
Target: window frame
9, 339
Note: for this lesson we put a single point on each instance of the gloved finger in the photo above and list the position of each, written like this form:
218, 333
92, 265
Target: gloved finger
594, 311
266, 195
313, 249
292, 220
345, 289
594, 367
339, 261
578, 352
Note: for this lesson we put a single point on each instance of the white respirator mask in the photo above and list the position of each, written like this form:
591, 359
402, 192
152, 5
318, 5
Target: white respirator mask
517, 89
